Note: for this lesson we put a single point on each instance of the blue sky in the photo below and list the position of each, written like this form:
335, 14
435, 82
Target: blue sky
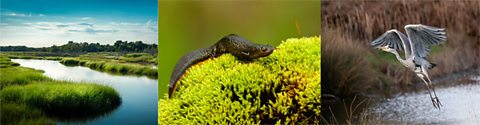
40, 23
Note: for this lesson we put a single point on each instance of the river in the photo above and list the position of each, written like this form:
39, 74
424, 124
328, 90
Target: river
139, 94
461, 105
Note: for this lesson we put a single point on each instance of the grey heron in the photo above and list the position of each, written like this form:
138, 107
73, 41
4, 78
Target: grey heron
416, 48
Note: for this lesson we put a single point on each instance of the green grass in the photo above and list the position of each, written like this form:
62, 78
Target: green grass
62, 96
20, 76
5, 62
34, 55
281, 88
112, 67
141, 58
12, 74
21, 114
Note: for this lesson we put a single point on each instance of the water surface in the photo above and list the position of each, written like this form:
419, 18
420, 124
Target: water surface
461, 105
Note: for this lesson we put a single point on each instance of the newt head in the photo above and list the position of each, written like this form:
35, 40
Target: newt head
245, 49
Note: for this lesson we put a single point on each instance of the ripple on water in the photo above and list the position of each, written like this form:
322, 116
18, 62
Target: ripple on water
461, 105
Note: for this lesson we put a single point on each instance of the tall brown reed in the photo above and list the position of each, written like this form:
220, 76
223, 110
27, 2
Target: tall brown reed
348, 27
345, 71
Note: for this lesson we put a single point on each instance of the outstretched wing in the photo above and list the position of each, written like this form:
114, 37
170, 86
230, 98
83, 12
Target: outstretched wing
421, 37
394, 39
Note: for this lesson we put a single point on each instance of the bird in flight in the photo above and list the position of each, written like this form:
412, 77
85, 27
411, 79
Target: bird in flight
416, 47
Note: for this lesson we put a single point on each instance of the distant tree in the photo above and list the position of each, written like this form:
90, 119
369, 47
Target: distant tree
75, 48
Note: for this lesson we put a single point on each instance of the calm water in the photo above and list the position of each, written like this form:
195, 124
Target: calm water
139, 94
461, 105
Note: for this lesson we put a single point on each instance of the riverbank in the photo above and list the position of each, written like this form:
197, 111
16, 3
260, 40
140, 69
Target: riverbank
29, 97
142, 64
112, 67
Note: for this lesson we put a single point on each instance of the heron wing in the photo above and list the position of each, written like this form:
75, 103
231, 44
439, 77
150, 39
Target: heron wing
394, 39
421, 37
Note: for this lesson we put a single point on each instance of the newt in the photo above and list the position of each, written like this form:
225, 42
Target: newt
233, 44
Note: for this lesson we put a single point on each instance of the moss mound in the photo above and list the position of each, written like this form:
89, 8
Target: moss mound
281, 88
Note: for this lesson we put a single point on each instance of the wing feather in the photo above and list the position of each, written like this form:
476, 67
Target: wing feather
421, 37
395, 40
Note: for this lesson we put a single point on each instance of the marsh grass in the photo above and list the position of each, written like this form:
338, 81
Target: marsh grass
140, 58
112, 67
6, 62
21, 114
62, 96
57, 101
20, 76
12, 74
35, 55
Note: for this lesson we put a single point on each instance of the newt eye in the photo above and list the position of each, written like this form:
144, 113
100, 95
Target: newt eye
245, 53
264, 49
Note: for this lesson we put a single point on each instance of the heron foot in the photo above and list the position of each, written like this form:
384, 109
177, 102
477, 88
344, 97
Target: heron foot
436, 103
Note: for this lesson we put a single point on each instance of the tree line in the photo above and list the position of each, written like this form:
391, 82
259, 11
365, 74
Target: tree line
84, 47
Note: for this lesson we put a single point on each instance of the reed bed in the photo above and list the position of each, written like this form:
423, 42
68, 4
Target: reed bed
348, 27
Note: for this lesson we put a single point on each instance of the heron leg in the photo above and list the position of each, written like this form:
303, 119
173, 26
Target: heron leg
433, 89
435, 100
429, 91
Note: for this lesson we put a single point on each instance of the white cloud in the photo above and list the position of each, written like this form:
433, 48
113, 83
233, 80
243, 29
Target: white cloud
16, 14
39, 34
85, 18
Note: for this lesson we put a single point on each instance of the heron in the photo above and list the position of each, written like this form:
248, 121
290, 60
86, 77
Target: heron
416, 48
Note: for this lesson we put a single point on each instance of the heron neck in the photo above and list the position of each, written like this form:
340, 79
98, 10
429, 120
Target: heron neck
398, 57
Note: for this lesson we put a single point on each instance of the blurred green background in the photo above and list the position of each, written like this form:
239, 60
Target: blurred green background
185, 26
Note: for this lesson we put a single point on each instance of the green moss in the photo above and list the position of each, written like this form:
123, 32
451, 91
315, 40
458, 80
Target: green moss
281, 88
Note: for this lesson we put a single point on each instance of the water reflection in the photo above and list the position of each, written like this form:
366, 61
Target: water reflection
139, 94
